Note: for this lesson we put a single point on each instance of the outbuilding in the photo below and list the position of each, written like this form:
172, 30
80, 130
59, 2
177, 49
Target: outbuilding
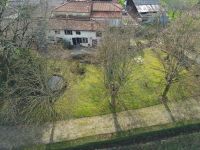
146, 11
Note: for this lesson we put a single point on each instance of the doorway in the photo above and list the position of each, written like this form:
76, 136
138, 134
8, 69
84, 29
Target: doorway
76, 41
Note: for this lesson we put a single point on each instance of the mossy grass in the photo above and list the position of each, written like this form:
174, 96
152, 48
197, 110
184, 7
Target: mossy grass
86, 95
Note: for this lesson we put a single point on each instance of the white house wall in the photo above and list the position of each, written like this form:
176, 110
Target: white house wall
91, 35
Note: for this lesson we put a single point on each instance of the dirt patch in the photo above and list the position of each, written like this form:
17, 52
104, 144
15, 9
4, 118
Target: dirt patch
56, 51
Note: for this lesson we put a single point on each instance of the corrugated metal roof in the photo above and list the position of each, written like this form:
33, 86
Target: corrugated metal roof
148, 8
146, 2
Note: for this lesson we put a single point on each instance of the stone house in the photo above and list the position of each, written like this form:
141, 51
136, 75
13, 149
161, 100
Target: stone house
82, 22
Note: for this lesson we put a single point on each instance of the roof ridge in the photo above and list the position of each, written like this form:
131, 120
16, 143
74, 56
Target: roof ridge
116, 5
61, 5
67, 2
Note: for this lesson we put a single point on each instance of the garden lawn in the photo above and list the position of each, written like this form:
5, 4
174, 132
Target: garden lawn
86, 95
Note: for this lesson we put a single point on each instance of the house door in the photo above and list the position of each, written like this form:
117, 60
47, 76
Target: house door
94, 43
76, 41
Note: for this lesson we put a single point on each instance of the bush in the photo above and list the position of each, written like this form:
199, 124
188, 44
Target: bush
78, 68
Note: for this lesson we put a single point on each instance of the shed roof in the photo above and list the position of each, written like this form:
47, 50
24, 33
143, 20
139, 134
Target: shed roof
146, 2
148, 8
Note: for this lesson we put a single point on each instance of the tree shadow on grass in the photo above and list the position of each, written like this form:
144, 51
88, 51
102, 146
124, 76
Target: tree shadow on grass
137, 119
132, 121
164, 102
117, 125
51, 140
169, 111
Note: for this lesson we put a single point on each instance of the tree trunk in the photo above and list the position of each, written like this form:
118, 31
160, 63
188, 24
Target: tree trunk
166, 90
113, 100
113, 95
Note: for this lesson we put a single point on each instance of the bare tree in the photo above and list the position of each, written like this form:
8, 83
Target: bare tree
15, 32
177, 41
117, 61
16, 24
27, 95
3, 4
42, 28
24, 92
24, 23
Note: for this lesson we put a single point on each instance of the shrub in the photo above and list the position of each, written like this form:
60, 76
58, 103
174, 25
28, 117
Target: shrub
78, 68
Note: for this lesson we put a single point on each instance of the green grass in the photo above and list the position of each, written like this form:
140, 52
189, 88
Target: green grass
121, 2
87, 96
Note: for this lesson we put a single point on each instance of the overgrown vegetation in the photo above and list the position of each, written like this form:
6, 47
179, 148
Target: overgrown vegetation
25, 95
132, 69
87, 95
176, 7
130, 80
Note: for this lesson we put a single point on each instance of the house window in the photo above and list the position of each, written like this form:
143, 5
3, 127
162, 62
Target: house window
57, 31
99, 34
84, 40
78, 32
68, 32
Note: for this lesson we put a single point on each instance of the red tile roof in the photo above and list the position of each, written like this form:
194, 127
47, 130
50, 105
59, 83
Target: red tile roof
96, 9
106, 6
88, 6
75, 6
83, 25
106, 15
